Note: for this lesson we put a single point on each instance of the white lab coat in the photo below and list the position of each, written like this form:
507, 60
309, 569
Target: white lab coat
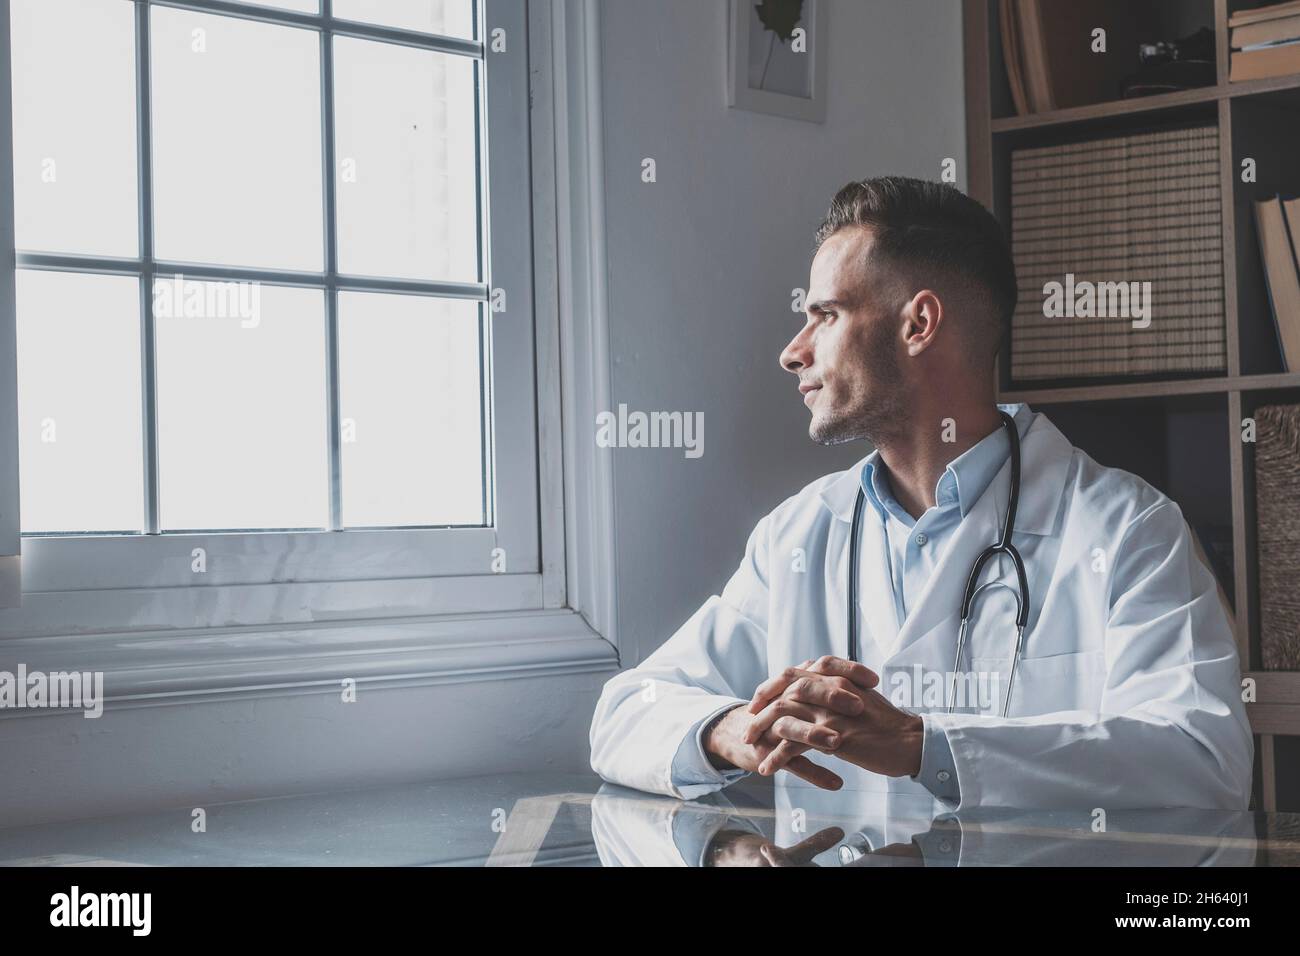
1128, 691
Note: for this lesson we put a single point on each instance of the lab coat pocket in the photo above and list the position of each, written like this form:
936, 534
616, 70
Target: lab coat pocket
1045, 685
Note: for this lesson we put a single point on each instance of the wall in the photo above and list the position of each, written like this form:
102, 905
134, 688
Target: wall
63, 766
702, 263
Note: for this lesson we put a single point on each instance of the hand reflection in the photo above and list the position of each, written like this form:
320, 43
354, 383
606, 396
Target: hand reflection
742, 848
886, 828
896, 854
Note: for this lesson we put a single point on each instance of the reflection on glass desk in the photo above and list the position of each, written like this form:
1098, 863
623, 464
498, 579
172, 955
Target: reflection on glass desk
576, 820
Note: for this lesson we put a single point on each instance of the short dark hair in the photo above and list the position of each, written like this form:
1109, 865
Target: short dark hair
929, 227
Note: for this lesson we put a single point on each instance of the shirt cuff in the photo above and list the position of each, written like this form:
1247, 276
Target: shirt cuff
938, 773
692, 773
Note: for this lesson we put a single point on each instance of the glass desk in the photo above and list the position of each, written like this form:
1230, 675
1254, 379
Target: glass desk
577, 820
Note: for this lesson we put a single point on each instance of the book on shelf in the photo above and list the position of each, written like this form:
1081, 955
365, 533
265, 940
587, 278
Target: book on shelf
1277, 225
1270, 31
1265, 42
1033, 55
1265, 62
1048, 57
1010, 27
1275, 11
1270, 46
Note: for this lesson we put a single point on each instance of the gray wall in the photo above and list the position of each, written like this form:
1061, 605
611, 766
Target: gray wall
701, 267
60, 766
702, 262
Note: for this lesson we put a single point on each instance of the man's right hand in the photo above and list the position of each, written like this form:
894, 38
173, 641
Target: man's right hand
725, 744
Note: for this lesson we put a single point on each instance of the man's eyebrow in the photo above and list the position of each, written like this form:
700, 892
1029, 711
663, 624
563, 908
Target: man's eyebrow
825, 305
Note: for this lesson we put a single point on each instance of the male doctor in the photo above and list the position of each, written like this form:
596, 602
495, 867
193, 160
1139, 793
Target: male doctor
1128, 689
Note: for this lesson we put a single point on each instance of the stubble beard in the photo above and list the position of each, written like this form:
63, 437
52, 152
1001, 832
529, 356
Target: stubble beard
873, 412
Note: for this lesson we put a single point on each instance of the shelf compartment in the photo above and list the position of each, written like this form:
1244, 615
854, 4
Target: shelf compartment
1177, 443
1251, 402
1086, 80
1266, 129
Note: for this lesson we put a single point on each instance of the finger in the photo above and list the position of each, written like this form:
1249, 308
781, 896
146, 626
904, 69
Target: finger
781, 754
815, 734
819, 842
780, 856
833, 693
774, 687
822, 736
801, 854
780, 707
860, 674
771, 741
815, 774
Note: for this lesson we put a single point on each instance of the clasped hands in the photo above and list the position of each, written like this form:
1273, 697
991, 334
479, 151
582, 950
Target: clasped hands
828, 705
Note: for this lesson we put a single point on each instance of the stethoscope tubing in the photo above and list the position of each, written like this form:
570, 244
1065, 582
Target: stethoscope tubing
973, 588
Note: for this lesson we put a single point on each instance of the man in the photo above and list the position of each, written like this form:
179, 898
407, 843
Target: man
1127, 688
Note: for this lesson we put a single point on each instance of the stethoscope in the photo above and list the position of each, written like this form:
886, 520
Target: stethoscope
1003, 546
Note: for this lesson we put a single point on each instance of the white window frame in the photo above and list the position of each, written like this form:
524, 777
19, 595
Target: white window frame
10, 521
325, 636
94, 583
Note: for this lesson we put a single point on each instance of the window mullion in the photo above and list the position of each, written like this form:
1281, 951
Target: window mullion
144, 165
329, 185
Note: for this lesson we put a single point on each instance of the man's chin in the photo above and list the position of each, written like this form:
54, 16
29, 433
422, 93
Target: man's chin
831, 432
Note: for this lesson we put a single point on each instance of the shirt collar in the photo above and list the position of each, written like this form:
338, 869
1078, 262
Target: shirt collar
964, 479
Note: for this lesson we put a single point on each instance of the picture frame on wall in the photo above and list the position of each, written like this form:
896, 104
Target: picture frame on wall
776, 57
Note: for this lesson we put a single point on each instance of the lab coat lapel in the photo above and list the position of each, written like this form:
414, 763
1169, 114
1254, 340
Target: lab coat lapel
877, 617
1045, 461
877, 621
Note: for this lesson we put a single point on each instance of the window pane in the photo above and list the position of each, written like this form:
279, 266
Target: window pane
237, 141
80, 417
242, 433
453, 18
407, 162
411, 410
74, 127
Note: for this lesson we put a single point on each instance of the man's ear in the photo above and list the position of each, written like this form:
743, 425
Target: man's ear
923, 314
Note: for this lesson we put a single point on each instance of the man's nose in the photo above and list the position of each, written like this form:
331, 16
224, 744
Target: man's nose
797, 355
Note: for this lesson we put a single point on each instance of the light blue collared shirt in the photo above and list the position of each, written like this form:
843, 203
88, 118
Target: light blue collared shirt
915, 546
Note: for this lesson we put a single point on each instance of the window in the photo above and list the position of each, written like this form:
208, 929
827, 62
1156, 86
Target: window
274, 336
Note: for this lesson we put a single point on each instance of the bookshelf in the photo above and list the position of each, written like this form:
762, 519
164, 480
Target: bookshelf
1182, 434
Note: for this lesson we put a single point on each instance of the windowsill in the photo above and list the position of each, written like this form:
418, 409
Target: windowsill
174, 667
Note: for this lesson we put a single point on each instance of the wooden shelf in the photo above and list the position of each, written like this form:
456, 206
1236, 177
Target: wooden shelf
1268, 84
1094, 112
1185, 431
1283, 686
1220, 385
1051, 395
1101, 111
